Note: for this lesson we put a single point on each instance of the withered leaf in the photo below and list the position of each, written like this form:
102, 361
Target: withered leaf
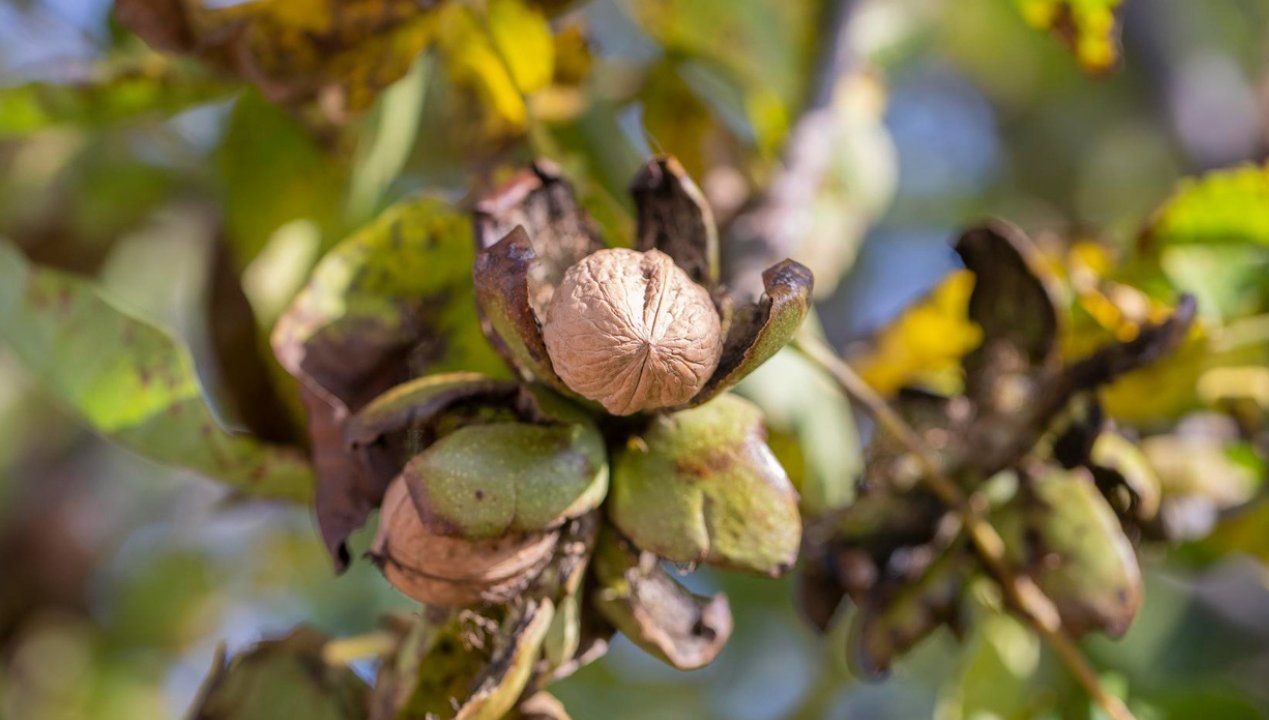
391, 302
637, 596
674, 217
337, 53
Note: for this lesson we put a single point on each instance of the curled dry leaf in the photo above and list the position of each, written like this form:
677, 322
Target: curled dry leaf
448, 571
631, 331
659, 615
701, 485
560, 234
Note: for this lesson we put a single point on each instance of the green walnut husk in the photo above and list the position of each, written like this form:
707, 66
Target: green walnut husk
701, 485
1065, 535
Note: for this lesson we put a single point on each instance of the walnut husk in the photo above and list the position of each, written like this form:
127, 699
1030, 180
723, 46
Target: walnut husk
452, 571
631, 331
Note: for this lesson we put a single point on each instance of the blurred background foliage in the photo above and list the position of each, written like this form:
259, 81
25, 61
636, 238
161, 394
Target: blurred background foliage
194, 189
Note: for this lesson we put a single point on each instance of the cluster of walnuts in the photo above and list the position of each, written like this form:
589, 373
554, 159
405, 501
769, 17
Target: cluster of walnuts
535, 512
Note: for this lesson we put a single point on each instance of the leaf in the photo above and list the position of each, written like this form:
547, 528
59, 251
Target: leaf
1088, 27
336, 54
700, 485
1221, 207
123, 89
484, 481
675, 218
758, 331
285, 673
505, 54
392, 301
1068, 539
131, 382
271, 172
924, 344
636, 595
383, 151
998, 664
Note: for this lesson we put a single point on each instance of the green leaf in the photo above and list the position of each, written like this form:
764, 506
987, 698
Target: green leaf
639, 598
1067, 537
119, 91
1221, 207
998, 664
284, 673
272, 172
131, 381
700, 485
484, 481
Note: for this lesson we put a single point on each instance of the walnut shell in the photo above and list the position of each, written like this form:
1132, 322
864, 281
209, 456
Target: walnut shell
450, 571
631, 331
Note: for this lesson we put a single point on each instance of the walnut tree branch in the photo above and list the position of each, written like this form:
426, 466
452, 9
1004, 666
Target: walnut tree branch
1021, 590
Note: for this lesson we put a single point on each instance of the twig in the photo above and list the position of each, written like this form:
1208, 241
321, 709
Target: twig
1021, 590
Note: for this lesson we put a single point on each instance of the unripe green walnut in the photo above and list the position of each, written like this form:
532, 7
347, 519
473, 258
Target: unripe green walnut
631, 331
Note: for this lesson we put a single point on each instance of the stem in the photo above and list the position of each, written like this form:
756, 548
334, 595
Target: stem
1023, 593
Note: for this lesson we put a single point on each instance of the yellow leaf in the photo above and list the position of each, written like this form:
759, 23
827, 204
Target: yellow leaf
523, 37
1088, 27
926, 342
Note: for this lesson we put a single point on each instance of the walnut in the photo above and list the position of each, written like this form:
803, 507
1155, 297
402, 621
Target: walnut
451, 571
631, 331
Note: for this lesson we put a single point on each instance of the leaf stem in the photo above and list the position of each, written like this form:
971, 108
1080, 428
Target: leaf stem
1021, 590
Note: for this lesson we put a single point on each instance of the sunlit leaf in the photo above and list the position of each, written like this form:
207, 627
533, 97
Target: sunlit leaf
338, 55
1088, 27
925, 343
131, 381
1223, 206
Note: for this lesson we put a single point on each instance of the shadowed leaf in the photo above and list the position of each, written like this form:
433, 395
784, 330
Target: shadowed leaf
131, 382
882, 631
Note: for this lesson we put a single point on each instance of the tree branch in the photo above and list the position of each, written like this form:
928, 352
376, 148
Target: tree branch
1022, 592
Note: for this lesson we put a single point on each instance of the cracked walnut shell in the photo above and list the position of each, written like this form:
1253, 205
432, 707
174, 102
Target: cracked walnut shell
631, 331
